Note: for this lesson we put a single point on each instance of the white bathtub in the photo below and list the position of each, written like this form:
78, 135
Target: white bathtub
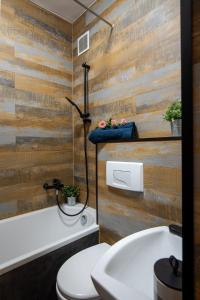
26, 237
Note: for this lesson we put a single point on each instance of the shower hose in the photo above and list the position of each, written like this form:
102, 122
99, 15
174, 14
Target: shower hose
86, 178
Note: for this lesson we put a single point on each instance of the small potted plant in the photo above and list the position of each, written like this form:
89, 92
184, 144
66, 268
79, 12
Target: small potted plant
174, 116
71, 193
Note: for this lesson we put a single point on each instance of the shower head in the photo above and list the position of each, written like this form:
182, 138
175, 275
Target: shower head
82, 115
76, 106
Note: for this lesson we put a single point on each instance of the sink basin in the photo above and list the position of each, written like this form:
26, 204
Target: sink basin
125, 272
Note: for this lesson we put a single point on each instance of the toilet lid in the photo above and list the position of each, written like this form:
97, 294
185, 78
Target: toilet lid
73, 279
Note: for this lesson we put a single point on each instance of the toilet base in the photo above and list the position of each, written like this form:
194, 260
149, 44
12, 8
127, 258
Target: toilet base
59, 296
74, 277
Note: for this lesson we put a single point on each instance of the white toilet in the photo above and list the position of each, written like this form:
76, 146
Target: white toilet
73, 279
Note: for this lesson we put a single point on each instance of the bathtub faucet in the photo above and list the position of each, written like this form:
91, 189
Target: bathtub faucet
56, 185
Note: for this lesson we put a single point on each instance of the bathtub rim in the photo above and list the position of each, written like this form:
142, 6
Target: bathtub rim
32, 255
34, 212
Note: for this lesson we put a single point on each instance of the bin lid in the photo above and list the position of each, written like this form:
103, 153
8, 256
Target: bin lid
169, 272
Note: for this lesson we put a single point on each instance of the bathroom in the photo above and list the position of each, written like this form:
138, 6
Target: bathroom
92, 95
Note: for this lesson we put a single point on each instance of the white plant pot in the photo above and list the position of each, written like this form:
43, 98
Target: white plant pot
176, 127
71, 201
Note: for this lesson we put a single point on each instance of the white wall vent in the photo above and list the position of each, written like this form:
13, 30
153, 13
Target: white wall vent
83, 43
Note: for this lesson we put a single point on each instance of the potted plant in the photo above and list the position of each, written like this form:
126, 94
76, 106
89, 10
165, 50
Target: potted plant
174, 116
71, 193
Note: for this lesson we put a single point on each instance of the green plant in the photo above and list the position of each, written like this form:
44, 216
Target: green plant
174, 111
71, 191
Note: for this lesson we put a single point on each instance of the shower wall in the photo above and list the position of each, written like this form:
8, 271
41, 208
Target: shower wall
35, 121
135, 74
122, 213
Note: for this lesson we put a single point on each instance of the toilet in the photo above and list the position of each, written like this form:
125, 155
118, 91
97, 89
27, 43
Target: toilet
73, 279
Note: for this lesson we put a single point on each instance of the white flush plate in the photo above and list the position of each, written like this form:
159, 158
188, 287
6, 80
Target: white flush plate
125, 175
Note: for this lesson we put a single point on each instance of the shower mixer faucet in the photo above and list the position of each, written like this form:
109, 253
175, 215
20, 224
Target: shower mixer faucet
56, 185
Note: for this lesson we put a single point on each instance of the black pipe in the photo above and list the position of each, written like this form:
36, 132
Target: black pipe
85, 114
58, 186
86, 98
86, 66
86, 179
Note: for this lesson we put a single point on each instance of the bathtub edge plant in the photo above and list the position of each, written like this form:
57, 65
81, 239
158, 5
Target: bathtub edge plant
71, 191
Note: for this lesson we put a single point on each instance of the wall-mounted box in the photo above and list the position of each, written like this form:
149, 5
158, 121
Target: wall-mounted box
125, 175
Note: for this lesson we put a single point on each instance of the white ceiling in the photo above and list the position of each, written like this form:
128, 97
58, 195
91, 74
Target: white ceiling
66, 9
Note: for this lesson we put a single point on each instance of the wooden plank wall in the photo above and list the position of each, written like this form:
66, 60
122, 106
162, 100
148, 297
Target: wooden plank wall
135, 69
35, 122
196, 88
125, 212
135, 73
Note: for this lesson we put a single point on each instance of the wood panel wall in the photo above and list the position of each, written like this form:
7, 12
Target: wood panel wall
135, 73
135, 69
196, 103
125, 212
35, 122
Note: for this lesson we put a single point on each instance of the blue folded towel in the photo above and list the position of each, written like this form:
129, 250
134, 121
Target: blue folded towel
124, 132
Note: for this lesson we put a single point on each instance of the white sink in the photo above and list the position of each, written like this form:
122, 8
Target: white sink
125, 272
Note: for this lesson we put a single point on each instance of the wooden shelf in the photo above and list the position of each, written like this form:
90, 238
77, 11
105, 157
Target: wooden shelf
150, 139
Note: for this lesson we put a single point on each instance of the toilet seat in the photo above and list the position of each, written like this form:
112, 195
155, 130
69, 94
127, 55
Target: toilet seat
73, 279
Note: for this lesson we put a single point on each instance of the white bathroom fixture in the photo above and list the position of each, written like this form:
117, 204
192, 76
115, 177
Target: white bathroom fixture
125, 175
83, 43
34, 234
74, 281
126, 269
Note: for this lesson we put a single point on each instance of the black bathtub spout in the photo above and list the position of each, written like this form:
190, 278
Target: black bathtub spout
56, 185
